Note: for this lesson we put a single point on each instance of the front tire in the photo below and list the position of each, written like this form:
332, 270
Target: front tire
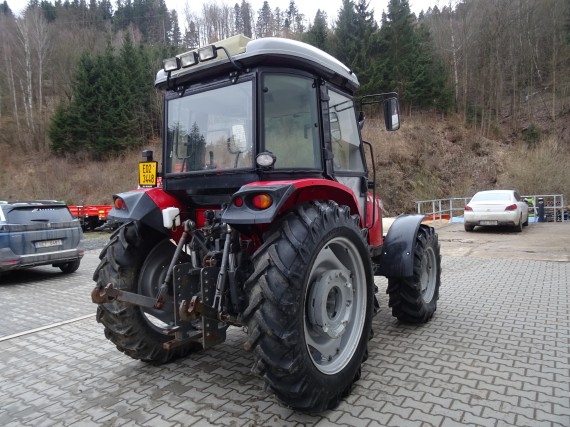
134, 330
310, 306
414, 299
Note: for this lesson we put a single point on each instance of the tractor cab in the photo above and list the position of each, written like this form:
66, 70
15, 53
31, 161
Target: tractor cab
244, 111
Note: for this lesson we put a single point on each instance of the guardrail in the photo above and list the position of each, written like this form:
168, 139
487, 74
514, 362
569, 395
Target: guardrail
448, 209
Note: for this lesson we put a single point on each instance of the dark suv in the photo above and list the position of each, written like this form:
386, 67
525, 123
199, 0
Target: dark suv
39, 233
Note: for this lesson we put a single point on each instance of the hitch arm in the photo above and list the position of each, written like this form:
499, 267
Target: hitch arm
109, 294
159, 300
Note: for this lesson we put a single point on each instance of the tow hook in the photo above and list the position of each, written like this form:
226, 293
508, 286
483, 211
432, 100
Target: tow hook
194, 309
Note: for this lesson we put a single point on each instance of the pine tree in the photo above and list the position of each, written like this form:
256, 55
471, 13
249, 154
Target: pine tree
293, 23
5, 9
84, 108
238, 19
175, 36
344, 46
192, 36
111, 109
407, 62
264, 21
352, 40
60, 130
317, 35
246, 18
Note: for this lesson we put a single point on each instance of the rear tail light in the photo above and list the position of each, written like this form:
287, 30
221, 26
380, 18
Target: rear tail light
238, 201
512, 207
120, 203
468, 208
262, 201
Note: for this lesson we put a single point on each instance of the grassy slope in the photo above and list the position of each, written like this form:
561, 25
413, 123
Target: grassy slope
429, 157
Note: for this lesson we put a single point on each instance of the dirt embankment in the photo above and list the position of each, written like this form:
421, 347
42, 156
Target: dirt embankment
430, 157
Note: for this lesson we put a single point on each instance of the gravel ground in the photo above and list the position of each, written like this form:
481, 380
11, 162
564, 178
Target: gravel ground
95, 240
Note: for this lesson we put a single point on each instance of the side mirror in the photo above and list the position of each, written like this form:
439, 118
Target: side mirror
335, 127
392, 114
237, 143
361, 120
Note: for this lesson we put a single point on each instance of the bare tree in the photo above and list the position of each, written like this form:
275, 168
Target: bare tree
7, 26
40, 49
506, 58
25, 79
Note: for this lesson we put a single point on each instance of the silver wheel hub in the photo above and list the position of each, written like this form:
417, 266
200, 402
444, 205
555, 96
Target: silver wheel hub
335, 305
428, 276
330, 303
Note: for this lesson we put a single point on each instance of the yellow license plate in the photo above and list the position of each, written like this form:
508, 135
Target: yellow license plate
148, 174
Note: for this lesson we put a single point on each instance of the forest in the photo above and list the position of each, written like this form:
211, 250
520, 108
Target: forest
76, 77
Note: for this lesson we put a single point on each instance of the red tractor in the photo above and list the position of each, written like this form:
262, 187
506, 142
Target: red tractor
264, 221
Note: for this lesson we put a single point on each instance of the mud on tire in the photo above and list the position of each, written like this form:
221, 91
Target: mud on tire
414, 299
126, 325
310, 306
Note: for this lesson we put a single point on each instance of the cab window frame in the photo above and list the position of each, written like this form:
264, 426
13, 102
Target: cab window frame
315, 123
355, 131
218, 83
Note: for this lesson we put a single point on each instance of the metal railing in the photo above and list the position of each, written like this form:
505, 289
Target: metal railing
439, 210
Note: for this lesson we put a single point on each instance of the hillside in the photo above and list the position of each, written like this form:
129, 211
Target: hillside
429, 157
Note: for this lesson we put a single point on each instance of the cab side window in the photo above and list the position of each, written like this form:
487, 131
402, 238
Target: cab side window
291, 121
344, 134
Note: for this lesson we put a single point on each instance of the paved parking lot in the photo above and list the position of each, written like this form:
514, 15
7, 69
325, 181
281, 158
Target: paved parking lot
495, 354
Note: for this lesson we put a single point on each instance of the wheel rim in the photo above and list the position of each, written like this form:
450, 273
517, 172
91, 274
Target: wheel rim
335, 305
428, 275
151, 278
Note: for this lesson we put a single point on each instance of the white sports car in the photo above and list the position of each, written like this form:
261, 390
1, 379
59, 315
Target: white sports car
496, 207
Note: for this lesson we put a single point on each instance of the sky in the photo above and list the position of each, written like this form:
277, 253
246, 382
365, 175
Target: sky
308, 8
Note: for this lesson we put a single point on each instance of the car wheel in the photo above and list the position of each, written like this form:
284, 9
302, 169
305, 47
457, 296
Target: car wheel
519, 226
469, 227
69, 267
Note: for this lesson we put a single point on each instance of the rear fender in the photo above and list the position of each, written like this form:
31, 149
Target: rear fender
145, 206
285, 195
397, 258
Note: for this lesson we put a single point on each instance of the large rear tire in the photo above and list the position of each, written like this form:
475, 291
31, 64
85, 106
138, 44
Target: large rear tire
134, 330
414, 299
310, 306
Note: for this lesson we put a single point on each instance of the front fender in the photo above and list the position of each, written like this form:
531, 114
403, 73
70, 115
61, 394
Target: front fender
397, 258
144, 206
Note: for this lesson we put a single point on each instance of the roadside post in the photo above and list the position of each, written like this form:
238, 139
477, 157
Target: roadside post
541, 210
